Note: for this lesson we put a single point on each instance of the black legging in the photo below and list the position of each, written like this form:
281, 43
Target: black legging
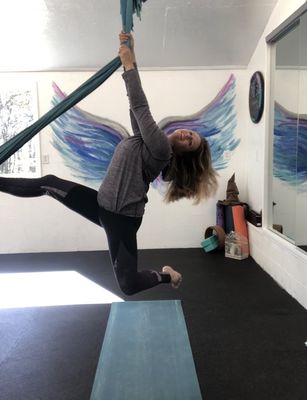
121, 230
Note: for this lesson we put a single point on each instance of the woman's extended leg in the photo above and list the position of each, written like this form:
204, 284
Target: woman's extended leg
121, 232
78, 198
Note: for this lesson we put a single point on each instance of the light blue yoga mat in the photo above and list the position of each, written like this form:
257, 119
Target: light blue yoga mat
146, 354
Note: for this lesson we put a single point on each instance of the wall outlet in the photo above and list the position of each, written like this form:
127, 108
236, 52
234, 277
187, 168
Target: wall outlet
45, 159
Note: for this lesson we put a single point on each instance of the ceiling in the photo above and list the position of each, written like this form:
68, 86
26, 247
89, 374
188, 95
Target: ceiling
83, 34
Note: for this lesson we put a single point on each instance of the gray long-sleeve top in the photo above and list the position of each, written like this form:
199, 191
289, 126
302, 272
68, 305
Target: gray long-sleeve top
137, 160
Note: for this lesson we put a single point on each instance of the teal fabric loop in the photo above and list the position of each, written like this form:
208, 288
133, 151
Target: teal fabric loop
14, 144
127, 15
128, 8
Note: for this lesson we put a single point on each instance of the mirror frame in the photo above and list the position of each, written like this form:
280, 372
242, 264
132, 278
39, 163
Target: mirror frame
271, 39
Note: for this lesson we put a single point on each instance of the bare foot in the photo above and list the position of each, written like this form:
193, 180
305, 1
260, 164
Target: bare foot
176, 278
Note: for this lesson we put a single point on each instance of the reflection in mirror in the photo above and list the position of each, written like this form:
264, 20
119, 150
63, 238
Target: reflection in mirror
301, 201
286, 83
289, 181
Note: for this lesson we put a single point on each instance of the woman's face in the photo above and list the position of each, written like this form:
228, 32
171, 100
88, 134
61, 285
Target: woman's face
185, 140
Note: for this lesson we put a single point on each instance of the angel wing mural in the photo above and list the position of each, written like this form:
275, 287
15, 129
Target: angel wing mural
87, 142
216, 122
290, 147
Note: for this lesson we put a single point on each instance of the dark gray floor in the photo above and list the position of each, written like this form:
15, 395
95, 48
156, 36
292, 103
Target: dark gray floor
247, 334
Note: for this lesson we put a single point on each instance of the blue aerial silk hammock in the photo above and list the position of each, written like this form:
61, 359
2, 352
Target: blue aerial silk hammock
127, 9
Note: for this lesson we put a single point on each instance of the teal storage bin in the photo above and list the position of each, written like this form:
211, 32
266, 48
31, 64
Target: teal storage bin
210, 243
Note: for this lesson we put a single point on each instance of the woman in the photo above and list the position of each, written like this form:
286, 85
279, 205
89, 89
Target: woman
118, 206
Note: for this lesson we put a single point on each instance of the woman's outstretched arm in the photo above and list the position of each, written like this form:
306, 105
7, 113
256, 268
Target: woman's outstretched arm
154, 138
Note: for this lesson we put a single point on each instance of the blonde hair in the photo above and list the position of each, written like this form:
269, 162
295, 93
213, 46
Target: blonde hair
191, 175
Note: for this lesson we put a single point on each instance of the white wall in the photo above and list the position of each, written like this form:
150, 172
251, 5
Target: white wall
41, 224
282, 260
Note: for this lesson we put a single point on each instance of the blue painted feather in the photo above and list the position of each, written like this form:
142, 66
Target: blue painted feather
290, 147
85, 141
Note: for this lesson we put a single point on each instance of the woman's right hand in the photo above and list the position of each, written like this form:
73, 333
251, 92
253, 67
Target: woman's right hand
128, 39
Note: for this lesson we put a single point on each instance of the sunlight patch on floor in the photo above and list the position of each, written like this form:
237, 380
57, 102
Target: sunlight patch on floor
40, 289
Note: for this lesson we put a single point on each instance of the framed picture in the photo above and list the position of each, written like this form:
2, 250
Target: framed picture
18, 110
256, 97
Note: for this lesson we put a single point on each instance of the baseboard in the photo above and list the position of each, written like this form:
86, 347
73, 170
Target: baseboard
283, 261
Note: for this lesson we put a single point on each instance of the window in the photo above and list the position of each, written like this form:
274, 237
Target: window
18, 110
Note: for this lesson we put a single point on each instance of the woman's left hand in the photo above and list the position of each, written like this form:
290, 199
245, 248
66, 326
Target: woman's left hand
126, 57
126, 38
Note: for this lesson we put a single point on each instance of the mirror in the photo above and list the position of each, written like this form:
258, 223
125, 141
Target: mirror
289, 141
